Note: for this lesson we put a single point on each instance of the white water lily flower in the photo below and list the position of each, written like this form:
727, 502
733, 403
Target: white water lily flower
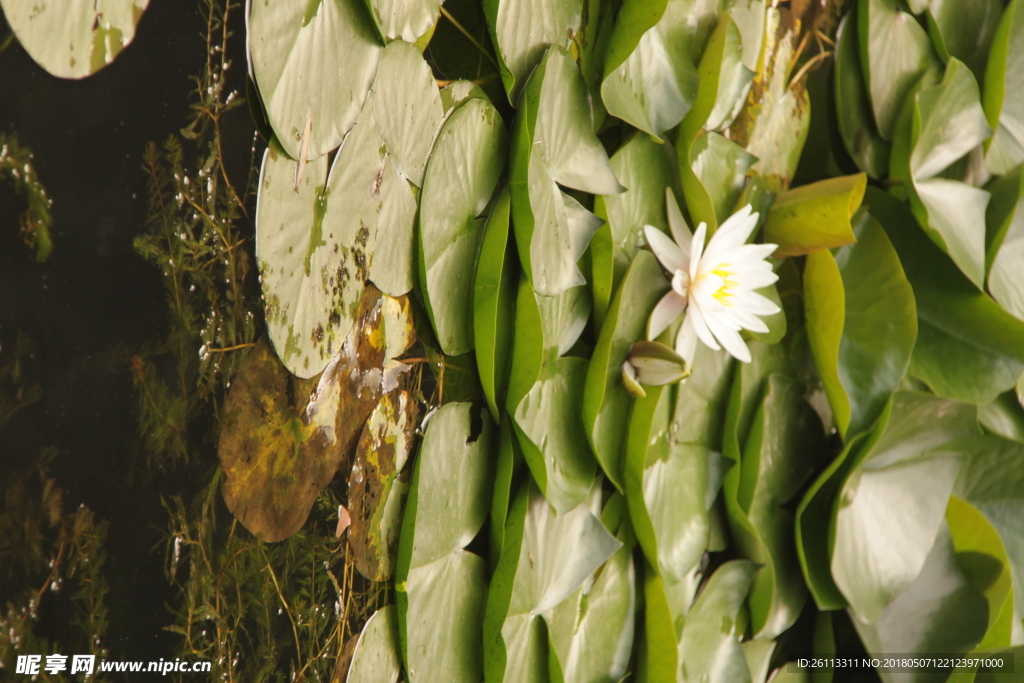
715, 286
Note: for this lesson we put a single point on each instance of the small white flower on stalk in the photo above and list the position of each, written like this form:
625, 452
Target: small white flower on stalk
715, 285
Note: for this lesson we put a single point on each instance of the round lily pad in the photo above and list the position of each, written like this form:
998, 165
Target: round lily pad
314, 63
74, 38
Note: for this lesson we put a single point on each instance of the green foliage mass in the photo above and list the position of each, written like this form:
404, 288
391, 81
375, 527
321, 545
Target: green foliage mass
462, 339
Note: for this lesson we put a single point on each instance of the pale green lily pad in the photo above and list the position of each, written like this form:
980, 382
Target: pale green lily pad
894, 502
606, 404
982, 556
441, 588
1004, 81
894, 53
591, 632
644, 167
552, 435
544, 559
404, 20
721, 166
407, 110
74, 38
522, 31
554, 144
780, 453
376, 658
315, 247
452, 482
541, 389
442, 622
964, 29
710, 650
991, 481
948, 121
650, 79
314, 64
940, 611
670, 486
463, 171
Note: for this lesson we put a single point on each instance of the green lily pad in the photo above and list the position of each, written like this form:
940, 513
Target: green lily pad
894, 53
1004, 79
940, 611
406, 107
982, 556
645, 168
606, 404
1006, 246
402, 20
494, 306
721, 166
522, 31
441, 588
442, 622
967, 346
376, 494
452, 481
815, 216
650, 80
854, 115
861, 324
591, 631
376, 658
544, 559
552, 435
781, 451
553, 143
723, 51
76, 38
947, 123
991, 481
463, 171
293, 46
316, 246
710, 650
541, 390
670, 486
894, 501
964, 29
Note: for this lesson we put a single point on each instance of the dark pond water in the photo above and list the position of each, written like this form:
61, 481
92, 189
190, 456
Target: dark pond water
95, 302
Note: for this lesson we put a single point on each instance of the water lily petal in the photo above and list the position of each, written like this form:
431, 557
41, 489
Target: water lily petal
696, 249
754, 303
667, 251
668, 309
686, 340
677, 224
728, 337
700, 326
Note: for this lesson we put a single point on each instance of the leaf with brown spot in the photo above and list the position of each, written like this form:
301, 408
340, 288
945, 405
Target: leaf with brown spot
377, 487
281, 444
